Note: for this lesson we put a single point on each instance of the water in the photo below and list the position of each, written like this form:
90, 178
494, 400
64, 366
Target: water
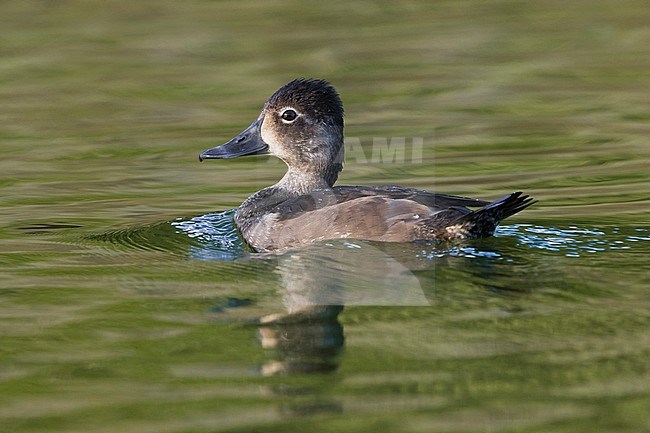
129, 303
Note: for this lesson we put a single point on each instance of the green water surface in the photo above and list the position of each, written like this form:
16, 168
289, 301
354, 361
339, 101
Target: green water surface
128, 303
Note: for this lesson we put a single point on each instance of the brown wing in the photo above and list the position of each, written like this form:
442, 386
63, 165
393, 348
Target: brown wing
348, 213
319, 199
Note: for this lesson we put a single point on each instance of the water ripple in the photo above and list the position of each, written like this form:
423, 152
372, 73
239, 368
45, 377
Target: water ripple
207, 237
218, 239
154, 237
215, 236
572, 241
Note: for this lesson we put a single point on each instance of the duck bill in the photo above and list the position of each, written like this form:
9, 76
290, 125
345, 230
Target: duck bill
249, 142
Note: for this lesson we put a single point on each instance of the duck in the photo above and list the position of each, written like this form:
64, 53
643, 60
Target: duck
302, 124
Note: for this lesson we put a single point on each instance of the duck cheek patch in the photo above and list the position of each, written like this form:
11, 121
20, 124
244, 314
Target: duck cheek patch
270, 135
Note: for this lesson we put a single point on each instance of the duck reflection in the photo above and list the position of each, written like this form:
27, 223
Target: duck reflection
349, 274
303, 337
307, 342
307, 338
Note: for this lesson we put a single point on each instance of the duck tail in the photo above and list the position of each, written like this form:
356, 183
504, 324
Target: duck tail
482, 222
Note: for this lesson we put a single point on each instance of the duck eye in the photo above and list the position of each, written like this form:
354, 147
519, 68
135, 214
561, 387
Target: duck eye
289, 115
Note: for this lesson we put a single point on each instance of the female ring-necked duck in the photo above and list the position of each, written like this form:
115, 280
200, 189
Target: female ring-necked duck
302, 124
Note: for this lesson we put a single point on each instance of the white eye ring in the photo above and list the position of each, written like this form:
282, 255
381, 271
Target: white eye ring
288, 115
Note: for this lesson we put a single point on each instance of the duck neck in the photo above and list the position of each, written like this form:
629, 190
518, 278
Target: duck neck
296, 183
292, 185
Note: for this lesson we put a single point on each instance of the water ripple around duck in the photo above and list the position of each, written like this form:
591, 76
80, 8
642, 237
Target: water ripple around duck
213, 236
571, 241
575, 241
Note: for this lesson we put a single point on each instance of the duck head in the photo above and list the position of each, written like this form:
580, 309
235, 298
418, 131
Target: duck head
302, 124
